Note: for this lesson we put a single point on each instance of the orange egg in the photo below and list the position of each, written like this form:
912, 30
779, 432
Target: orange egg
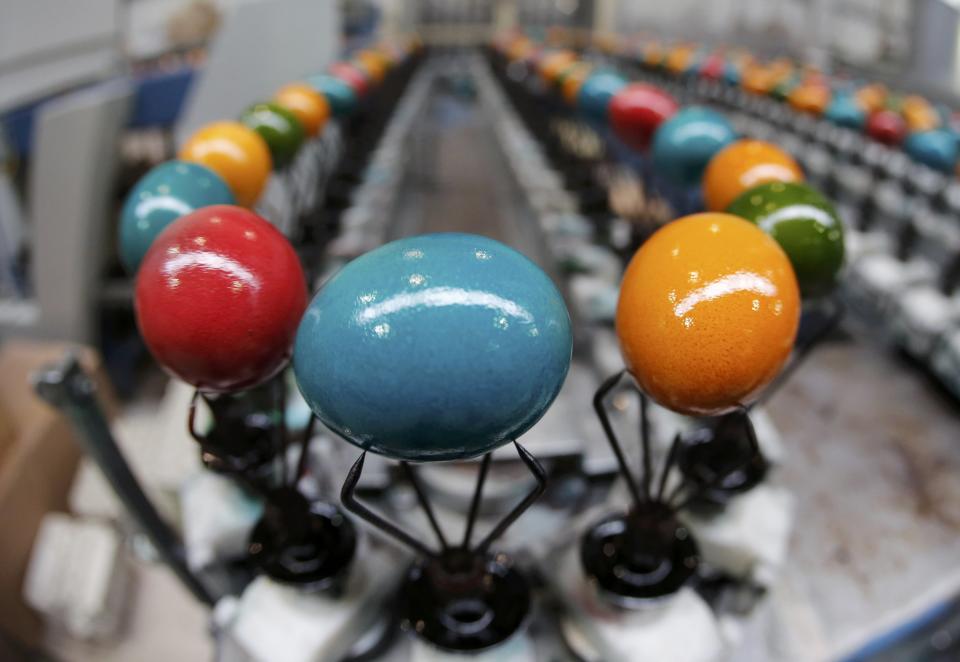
872, 97
678, 59
810, 98
373, 63
573, 81
310, 107
708, 312
757, 80
919, 114
552, 64
236, 153
742, 165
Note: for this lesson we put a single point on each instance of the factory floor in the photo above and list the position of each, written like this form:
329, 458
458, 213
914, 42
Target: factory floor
872, 447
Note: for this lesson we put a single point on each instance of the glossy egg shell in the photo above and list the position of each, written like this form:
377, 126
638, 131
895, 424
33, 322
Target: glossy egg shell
309, 106
552, 64
743, 164
594, 96
637, 110
684, 144
805, 225
163, 195
887, 127
436, 347
235, 152
374, 63
279, 128
340, 96
936, 149
219, 297
708, 313
352, 76
573, 81
845, 111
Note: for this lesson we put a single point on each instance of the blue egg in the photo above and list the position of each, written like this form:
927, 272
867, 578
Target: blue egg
937, 149
167, 192
436, 347
593, 99
731, 74
340, 96
844, 110
685, 143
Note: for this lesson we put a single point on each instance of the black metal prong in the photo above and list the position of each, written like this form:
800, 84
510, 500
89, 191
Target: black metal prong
349, 500
475, 502
305, 448
668, 466
282, 438
425, 503
192, 417
598, 405
645, 447
541, 477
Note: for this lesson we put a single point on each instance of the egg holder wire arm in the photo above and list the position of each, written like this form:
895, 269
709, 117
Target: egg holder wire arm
297, 541
460, 597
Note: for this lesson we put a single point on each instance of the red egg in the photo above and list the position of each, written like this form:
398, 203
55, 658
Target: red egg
887, 127
637, 110
713, 67
352, 76
219, 297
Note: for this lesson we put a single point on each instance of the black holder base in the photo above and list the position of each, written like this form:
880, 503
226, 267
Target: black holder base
722, 459
465, 602
643, 555
305, 544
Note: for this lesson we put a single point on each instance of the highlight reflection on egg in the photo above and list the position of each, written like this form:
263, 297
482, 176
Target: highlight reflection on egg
708, 313
442, 346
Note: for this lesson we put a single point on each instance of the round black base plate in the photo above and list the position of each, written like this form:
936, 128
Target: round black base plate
306, 544
720, 461
640, 556
465, 602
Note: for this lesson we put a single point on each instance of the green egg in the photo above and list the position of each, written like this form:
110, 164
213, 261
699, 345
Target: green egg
805, 225
279, 128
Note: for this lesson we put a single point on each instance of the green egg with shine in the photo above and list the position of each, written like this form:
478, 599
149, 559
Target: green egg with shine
806, 226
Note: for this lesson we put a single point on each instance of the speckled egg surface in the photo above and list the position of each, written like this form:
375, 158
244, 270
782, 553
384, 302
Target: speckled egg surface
441, 346
708, 313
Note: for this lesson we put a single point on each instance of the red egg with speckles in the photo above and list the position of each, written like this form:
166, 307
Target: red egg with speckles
887, 127
219, 297
637, 110
352, 76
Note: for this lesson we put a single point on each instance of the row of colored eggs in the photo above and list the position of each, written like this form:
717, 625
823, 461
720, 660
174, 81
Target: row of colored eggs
749, 179
230, 162
924, 131
446, 346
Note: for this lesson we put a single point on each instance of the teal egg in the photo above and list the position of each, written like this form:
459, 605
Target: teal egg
436, 347
685, 143
167, 192
340, 96
594, 96
805, 225
844, 110
937, 149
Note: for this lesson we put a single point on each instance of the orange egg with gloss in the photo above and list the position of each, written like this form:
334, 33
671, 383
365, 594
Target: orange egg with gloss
708, 313
743, 164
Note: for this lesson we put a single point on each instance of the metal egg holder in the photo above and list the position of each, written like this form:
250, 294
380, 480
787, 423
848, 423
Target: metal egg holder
903, 243
723, 489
